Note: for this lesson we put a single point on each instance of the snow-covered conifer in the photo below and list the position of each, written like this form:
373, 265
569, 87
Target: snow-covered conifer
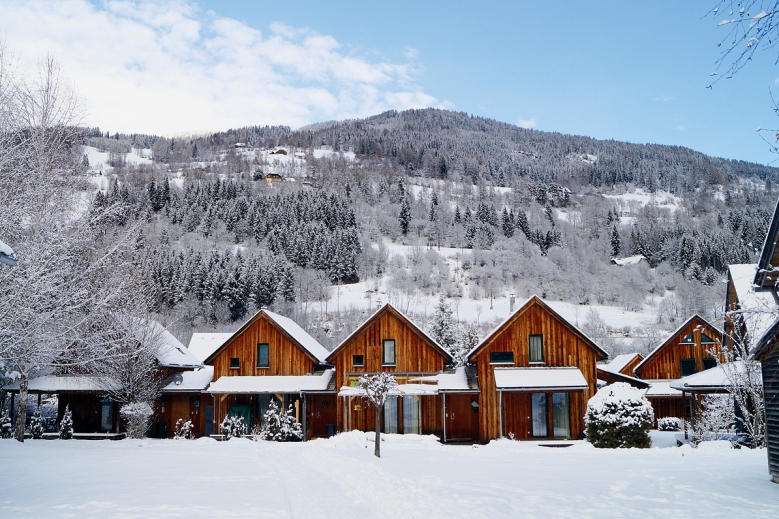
36, 424
619, 416
279, 425
66, 424
6, 428
183, 430
233, 426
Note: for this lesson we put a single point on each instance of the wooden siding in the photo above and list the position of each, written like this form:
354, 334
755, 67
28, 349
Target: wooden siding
362, 414
665, 363
668, 407
630, 366
562, 347
186, 406
285, 357
770, 364
414, 353
85, 409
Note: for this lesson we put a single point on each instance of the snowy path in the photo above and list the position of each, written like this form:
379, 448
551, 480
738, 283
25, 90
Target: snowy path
416, 477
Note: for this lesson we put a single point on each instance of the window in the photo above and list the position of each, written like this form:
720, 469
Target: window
709, 362
705, 339
358, 360
688, 367
536, 348
390, 421
235, 363
262, 356
388, 352
688, 340
411, 414
501, 357
538, 414
561, 415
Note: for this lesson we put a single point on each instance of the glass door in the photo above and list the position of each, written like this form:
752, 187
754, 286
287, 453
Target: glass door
390, 422
561, 415
538, 414
410, 414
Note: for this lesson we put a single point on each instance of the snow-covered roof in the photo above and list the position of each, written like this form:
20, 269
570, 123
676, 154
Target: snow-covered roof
618, 363
757, 305
190, 381
449, 382
630, 260
202, 345
661, 388
714, 379
402, 389
6, 249
7, 254
61, 383
299, 334
316, 382
172, 353
538, 379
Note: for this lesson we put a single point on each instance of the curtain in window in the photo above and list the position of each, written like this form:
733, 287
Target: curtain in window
538, 413
411, 415
536, 348
391, 415
561, 415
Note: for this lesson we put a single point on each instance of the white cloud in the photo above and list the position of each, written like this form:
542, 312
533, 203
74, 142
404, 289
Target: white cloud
527, 123
170, 67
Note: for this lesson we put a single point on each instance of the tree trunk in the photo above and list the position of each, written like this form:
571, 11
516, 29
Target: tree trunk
22, 406
377, 441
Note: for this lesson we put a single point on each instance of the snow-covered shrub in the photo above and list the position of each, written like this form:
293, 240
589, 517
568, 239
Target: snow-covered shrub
66, 424
619, 416
669, 424
183, 430
137, 418
280, 426
36, 424
233, 425
6, 429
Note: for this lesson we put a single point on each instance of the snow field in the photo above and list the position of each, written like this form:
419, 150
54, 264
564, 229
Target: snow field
416, 477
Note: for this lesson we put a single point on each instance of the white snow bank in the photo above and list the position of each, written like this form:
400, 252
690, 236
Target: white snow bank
415, 477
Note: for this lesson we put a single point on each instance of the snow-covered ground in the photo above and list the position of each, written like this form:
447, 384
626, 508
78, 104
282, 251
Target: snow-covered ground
416, 477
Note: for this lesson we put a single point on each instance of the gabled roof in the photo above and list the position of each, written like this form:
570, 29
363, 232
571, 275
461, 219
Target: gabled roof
757, 306
202, 345
171, 353
616, 376
290, 328
668, 341
536, 301
764, 264
618, 363
189, 381
405, 320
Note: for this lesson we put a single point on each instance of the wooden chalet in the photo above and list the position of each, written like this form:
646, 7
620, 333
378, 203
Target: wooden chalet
271, 358
690, 349
94, 412
273, 177
536, 372
390, 342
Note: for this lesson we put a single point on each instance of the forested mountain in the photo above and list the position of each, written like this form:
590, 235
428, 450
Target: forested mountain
427, 203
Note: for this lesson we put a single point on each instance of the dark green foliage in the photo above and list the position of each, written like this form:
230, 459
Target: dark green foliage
66, 425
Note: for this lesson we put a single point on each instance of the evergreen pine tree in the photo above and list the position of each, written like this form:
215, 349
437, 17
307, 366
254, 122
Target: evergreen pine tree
404, 218
457, 217
66, 424
36, 424
615, 242
6, 428
442, 328
508, 224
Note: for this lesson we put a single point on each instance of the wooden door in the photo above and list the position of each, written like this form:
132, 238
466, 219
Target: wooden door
179, 409
461, 418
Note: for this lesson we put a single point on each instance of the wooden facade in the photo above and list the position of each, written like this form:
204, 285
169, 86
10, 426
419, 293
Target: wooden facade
286, 356
416, 355
694, 341
563, 345
767, 352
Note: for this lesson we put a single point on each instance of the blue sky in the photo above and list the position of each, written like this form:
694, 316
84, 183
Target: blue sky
610, 70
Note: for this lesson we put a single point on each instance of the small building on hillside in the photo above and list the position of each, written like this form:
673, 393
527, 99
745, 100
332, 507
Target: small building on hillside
273, 177
536, 372
390, 342
630, 260
271, 358
691, 348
